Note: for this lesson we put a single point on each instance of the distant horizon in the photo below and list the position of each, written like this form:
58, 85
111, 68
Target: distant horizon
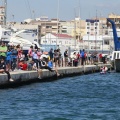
20, 10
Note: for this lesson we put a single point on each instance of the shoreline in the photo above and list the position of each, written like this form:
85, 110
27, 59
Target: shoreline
28, 77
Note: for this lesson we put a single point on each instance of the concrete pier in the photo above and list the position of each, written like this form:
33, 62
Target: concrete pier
23, 77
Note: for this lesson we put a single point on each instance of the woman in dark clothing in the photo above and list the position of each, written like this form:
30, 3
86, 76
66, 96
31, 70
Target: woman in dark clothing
3, 69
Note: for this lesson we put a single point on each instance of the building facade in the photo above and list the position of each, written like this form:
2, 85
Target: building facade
57, 39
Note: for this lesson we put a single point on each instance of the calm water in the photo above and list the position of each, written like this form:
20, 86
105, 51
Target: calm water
88, 97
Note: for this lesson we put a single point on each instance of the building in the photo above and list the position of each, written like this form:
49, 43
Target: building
57, 39
48, 26
75, 28
97, 37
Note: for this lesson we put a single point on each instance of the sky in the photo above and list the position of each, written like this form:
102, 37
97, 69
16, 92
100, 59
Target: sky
19, 10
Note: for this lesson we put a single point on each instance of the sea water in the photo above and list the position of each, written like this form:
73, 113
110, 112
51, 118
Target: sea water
87, 97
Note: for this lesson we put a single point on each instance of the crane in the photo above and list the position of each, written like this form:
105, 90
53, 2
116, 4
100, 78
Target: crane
115, 36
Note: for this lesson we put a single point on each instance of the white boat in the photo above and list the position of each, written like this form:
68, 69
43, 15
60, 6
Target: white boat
115, 59
24, 38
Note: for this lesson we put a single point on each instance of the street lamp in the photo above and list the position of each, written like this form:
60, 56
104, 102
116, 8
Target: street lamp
33, 14
5, 13
57, 21
75, 24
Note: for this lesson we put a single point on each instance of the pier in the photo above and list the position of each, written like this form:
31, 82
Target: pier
27, 77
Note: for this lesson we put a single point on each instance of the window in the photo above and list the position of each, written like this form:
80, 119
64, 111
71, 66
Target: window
96, 24
87, 32
114, 55
117, 55
88, 27
64, 31
106, 42
4, 33
48, 27
88, 24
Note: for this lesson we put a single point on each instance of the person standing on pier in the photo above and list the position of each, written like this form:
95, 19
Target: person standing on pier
3, 50
51, 54
66, 57
82, 57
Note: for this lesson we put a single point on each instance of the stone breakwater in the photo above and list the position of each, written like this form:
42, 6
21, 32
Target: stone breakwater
27, 77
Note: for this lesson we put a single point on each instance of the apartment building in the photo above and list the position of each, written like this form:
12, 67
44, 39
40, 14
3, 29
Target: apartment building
97, 37
48, 26
92, 27
75, 28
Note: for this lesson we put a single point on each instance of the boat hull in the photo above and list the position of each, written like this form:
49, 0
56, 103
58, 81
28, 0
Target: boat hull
117, 65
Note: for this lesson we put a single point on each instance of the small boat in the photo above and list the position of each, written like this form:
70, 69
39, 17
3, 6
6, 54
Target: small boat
103, 72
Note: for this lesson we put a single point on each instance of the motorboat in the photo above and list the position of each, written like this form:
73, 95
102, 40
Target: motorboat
25, 38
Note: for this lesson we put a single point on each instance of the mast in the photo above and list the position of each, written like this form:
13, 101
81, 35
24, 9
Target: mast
5, 12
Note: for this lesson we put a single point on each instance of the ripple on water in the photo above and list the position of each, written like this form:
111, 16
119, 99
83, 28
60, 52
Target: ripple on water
84, 97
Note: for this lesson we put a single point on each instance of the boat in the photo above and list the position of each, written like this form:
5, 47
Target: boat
115, 60
24, 38
102, 73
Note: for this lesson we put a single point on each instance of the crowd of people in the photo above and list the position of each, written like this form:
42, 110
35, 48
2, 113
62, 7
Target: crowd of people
13, 58
84, 58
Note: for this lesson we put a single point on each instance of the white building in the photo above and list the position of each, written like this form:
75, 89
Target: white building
98, 43
92, 27
97, 37
57, 39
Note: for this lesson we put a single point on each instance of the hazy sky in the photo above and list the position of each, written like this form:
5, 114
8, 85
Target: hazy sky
23, 9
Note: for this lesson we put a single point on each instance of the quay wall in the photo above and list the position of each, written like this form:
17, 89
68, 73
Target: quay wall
31, 76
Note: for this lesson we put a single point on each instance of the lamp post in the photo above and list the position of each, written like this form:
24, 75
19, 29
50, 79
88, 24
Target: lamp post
5, 13
58, 2
33, 14
75, 28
